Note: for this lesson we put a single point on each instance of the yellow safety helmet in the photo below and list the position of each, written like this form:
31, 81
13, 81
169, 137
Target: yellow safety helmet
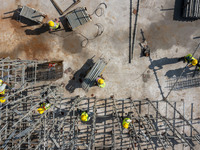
1, 82
126, 125
101, 81
2, 99
194, 62
40, 110
51, 23
83, 118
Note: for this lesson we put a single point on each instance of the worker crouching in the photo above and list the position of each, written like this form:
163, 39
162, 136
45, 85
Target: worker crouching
190, 60
43, 107
85, 117
100, 82
126, 123
54, 25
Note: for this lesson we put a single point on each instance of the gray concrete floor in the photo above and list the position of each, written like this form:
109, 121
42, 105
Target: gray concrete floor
167, 39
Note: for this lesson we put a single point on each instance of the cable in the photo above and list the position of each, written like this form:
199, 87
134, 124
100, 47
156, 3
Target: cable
85, 42
100, 27
99, 8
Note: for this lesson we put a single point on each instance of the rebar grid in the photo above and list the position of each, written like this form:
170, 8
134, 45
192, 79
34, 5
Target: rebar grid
185, 82
150, 129
155, 124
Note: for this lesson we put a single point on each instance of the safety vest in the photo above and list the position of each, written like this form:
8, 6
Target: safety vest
84, 113
102, 85
56, 25
2, 89
2, 92
125, 121
46, 106
189, 58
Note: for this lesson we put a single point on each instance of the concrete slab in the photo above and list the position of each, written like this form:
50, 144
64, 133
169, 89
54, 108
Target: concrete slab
168, 39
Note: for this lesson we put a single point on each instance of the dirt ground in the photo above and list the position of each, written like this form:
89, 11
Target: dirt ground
145, 77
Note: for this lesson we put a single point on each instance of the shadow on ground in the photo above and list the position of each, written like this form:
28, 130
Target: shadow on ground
44, 28
78, 77
177, 72
63, 21
158, 64
174, 31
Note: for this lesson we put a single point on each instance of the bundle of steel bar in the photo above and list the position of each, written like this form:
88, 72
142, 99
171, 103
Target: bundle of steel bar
154, 124
96, 71
191, 9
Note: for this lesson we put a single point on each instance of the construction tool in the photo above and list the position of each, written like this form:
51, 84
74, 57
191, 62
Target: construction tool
142, 33
134, 33
144, 45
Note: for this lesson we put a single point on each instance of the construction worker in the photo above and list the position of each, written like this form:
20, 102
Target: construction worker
189, 59
126, 122
54, 25
84, 116
100, 82
43, 107
2, 91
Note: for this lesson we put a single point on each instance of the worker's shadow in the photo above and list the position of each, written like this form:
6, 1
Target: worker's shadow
158, 64
99, 119
79, 75
42, 29
177, 72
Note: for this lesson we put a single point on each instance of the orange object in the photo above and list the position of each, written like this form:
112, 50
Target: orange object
52, 65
